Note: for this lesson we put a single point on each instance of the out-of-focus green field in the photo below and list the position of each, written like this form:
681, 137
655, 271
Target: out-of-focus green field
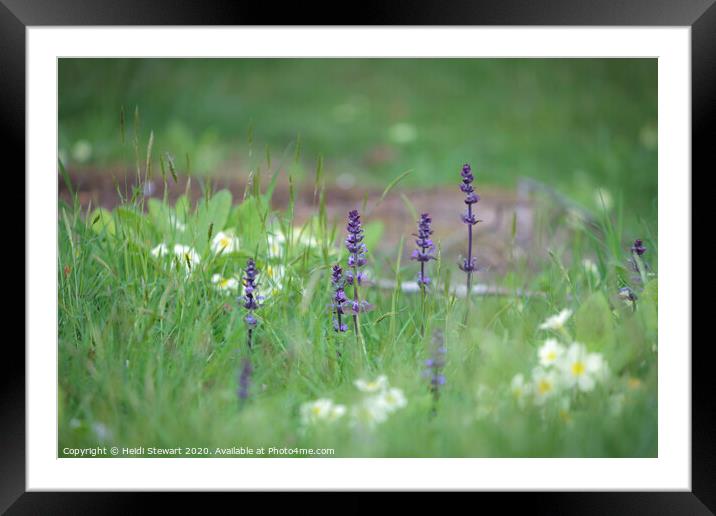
575, 124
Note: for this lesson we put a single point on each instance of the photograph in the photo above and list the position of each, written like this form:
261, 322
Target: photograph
357, 257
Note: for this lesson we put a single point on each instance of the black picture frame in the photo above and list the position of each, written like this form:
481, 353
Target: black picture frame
700, 15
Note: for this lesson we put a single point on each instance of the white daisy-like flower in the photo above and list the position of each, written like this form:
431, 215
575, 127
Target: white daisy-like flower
321, 410
187, 256
224, 284
550, 352
271, 280
544, 384
520, 389
159, 251
556, 322
224, 243
276, 244
377, 385
581, 369
391, 399
369, 413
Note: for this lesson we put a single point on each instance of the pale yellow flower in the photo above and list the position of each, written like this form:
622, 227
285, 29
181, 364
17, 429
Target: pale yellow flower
550, 352
581, 369
544, 384
224, 284
321, 411
377, 385
556, 322
391, 399
224, 243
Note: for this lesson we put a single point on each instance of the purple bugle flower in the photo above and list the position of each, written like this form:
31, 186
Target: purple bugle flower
250, 300
339, 298
471, 197
638, 247
425, 247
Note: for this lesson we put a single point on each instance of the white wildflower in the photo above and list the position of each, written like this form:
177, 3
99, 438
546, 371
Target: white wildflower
224, 284
276, 244
369, 413
544, 384
556, 322
520, 389
550, 352
224, 243
271, 281
321, 410
581, 369
187, 257
377, 385
159, 251
391, 399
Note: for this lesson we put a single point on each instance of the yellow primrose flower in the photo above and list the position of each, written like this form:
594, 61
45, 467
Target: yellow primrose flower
377, 385
272, 280
276, 243
224, 243
519, 388
581, 369
556, 322
159, 251
544, 384
391, 400
321, 410
369, 413
550, 352
224, 284
188, 257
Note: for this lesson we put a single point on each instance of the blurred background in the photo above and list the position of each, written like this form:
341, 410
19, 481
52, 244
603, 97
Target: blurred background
582, 130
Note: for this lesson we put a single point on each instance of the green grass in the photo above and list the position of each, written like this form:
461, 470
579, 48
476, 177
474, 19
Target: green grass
576, 124
150, 355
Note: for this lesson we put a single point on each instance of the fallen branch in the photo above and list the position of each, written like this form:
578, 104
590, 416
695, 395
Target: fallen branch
411, 287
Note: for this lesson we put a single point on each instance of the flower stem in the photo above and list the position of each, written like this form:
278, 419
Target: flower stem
356, 325
423, 294
469, 252
640, 268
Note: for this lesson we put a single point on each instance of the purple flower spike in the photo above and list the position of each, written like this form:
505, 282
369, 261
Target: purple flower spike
356, 259
434, 367
245, 379
424, 252
471, 197
250, 300
339, 298
638, 247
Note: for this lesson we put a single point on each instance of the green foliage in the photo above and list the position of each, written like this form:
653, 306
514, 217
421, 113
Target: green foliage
594, 322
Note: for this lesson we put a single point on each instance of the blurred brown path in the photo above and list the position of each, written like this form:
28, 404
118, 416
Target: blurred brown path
498, 209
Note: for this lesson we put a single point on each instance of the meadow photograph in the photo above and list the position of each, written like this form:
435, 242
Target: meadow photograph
385, 258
